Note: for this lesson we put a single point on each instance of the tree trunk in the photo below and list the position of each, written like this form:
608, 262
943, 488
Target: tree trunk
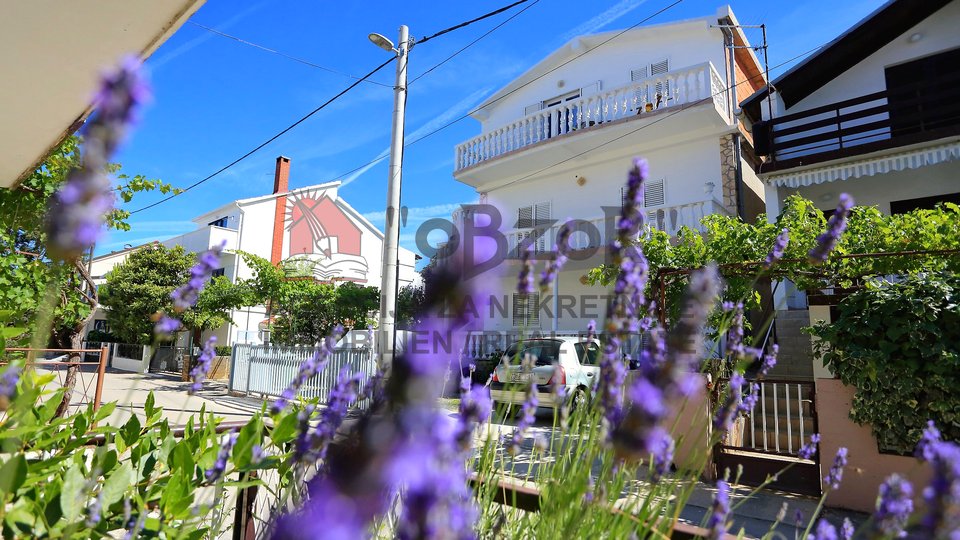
68, 385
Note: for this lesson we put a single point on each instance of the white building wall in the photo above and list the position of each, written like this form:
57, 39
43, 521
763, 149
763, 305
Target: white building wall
684, 45
938, 33
685, 169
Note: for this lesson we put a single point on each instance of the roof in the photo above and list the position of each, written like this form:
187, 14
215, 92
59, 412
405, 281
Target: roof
51, 54
579, 46
847, 50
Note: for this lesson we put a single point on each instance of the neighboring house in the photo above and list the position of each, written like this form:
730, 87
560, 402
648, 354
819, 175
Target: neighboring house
311, 228
874, 114
557, 142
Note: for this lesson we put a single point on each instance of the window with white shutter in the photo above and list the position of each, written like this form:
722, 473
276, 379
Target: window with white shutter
661, 89
530, 109
653, 193
537, 217
525, 312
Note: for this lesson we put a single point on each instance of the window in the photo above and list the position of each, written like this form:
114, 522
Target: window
587, 353
653, 193
537, 217
218, 272
925, 203
658, 93
546, 351
222, 222
525, 310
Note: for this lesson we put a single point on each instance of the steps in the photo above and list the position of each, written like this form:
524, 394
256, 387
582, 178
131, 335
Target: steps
795, 360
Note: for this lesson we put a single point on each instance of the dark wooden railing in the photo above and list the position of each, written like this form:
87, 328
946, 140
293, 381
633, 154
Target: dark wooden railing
925, 110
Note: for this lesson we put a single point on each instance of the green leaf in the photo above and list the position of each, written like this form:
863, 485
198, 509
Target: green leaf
148, 405
117, 483
104, 411
12, 474
250, 435
72, 495
130, 432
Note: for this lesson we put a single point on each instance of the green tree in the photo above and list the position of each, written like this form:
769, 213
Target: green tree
214, 305
355, 303
26, 272
140, 287
410, 300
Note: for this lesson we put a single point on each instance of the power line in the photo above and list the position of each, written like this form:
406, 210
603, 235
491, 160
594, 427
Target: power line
270, 140
472, 43
471, 21
452, 122
285, 55
531, 81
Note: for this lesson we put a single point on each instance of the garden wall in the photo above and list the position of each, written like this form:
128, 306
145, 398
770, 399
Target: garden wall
867, 468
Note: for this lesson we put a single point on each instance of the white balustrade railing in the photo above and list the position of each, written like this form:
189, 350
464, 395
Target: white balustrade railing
671, 89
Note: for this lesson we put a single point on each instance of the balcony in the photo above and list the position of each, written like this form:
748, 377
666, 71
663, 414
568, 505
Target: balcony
204, 238
917, 112
596, 232
636, 101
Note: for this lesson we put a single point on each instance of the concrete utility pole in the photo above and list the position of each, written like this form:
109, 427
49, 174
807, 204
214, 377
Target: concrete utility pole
391, 232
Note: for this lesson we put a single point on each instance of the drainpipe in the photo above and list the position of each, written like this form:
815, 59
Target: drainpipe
236, 269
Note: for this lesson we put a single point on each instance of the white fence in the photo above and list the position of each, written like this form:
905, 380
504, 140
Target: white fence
268, 370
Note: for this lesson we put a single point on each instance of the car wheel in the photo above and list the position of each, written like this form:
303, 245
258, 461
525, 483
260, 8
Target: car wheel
579, 399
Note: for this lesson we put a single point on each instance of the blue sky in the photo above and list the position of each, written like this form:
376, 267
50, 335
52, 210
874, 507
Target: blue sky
215, 99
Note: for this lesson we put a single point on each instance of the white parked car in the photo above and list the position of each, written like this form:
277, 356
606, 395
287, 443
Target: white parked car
573, 361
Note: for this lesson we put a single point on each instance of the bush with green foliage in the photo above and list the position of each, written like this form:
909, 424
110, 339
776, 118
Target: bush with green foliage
898, 344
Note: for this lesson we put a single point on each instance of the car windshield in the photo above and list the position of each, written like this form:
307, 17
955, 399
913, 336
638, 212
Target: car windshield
545, 351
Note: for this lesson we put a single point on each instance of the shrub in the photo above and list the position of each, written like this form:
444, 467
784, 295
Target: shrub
898, 344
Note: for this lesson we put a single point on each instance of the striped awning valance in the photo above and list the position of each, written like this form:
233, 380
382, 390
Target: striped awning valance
913, 159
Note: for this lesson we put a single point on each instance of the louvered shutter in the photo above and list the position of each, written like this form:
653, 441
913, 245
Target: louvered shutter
663, 88
639, 95
590, 90
653, 194
530, 109
525, 217
543, 211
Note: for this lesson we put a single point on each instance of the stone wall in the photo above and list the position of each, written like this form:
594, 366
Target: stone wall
728, 173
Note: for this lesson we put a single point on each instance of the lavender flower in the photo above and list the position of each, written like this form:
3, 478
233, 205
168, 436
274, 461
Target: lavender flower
308, 369
835, 227
894, 506
749, 401
808, 450
215, 472
314, 445
527, 416
798, 518
776, 252
549, 273
76, 213
525, 279
591, 331
728, 409
942, 496
94, 511
302, 444
717, 524
835, 474
185, 296
735, 332
257, 455
9, 380
846, 529
475, 407
824, 531
769, 360
199, 372
166, 325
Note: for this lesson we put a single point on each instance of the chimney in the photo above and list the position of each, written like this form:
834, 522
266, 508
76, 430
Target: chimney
281, 177
281, 185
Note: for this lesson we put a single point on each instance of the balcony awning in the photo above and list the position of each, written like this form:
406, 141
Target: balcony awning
900, 161
51, 53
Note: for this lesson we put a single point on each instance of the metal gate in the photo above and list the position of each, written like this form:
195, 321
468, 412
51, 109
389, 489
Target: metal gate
767, 441
167, 360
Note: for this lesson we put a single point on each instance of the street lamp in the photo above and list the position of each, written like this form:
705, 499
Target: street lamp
391, 231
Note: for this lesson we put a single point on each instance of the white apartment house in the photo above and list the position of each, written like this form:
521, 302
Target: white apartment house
874, 114
557, 143
311, 227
